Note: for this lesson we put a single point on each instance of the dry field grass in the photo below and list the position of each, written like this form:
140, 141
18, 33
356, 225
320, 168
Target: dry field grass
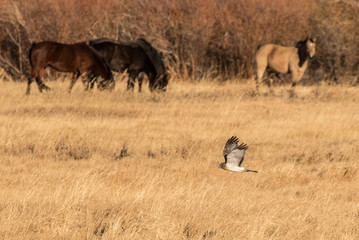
63, 175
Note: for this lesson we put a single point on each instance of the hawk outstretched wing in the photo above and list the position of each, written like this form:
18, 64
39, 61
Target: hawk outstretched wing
234, 154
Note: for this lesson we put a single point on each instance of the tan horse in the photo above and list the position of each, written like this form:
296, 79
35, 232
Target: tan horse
281, 59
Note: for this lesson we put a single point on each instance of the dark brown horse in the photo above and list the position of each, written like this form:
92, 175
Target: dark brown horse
138, 56
77, 58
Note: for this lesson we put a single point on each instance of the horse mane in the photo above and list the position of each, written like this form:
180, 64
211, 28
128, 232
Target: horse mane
259, 46
101, 40
302, 52
153, 55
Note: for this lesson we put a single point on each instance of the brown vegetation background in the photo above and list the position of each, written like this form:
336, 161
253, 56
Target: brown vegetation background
203, 38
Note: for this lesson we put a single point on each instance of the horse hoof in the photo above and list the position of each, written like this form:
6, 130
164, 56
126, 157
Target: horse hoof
292, 94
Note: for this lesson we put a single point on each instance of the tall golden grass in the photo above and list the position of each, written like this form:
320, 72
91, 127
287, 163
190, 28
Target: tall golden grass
125, 165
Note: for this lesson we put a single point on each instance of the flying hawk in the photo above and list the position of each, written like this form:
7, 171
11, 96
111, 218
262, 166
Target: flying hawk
233, 156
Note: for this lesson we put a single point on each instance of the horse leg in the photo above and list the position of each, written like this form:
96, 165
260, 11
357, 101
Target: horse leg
40, 74
75, 76
88, 81
299, 77
261, 67
270, 84
270, 81
29, 81
92, 83
85, 82
152, 79
86, 78
296, 75
91, 79
140, 80
38, 81
131, 80
130, 83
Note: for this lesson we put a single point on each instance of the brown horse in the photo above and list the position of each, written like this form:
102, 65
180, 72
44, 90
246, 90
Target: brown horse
281, 59
77, 58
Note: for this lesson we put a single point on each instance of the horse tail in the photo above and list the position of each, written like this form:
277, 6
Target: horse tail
255, 55
39, 82
30, 52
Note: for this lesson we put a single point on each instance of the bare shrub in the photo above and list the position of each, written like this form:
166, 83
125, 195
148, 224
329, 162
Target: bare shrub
14, 43
336, 24
204, 38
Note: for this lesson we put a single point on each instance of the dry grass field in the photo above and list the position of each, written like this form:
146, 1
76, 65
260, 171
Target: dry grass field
125, 165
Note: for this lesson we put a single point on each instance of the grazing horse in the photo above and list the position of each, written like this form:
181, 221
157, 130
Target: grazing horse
78, 58
138, 56
281, 59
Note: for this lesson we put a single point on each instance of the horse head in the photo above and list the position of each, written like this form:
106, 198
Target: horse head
306, 49
163, 82
160, 83
107, 83
311, 46
160, 80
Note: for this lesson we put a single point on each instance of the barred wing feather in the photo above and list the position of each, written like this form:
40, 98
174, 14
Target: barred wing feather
236, 157
231, 144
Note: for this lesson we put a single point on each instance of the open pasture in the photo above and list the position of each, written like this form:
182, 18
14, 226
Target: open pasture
122, 165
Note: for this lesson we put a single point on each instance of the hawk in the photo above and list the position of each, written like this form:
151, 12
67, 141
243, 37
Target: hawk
234, 155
